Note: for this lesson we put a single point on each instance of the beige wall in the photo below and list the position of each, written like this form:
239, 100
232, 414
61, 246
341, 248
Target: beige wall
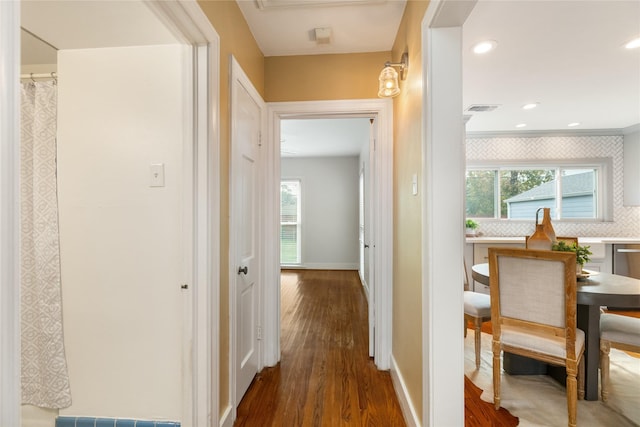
121, 241
407, 259
235, 39
323, 77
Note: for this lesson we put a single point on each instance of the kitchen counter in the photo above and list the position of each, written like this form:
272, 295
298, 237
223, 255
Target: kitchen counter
582, 240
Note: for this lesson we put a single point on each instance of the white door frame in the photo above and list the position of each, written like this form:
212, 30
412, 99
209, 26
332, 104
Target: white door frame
238, 77
201, 214
382, 228
10, 397
443, 166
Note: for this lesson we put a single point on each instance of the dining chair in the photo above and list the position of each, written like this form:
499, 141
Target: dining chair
477, 309
533, 314
617, 331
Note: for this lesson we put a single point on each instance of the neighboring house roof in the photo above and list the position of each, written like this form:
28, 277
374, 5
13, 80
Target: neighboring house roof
578, 184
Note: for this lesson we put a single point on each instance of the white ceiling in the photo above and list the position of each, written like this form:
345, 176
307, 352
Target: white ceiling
323, 137
566, 55
72, 24
286, 27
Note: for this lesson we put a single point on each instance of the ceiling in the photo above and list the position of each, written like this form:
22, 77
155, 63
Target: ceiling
565, 55
73, 24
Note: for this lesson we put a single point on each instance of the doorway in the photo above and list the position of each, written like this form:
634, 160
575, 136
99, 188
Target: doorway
381, 223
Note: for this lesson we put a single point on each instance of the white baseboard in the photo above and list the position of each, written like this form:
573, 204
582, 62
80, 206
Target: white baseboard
225, 418
329, 266
408, 411
365, 287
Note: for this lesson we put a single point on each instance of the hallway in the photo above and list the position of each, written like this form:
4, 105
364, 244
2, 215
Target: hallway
325, 376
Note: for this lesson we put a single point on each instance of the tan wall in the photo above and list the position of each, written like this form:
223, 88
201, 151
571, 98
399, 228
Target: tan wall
349, 76
323, 77
235, 39
407, 258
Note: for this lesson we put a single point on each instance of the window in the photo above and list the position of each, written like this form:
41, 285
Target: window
290, 209
516, 191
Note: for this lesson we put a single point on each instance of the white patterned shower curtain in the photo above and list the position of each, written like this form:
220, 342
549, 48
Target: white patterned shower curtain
45, 380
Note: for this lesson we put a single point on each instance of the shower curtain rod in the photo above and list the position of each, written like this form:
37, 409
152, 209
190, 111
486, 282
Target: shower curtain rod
34, 76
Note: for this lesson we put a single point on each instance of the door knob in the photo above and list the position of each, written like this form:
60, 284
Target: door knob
243, 270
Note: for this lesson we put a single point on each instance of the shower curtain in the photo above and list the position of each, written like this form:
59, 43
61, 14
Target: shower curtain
45, 380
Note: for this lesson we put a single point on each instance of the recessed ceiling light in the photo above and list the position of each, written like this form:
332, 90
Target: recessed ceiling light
633, 44
530, 106
521, 125
484, 46
574, 124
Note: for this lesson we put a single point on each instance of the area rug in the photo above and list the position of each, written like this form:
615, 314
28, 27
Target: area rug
539, 400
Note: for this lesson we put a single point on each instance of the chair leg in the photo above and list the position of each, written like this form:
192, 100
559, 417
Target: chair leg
581, 379
572, 396
605, 347
495, 347
477, 326
465, 326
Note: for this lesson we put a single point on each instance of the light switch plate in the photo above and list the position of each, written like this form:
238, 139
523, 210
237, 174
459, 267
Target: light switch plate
156, 175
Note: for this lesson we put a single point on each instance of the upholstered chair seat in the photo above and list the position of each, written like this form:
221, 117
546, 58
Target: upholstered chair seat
621, 332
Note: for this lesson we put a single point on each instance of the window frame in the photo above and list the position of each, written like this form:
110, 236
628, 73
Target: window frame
604, 185
298, 223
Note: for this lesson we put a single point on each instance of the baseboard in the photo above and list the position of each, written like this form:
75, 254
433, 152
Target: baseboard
225, 418
365, 286
408, 411
330, 266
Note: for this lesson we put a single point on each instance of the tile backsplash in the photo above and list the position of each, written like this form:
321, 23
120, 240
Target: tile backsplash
626, 220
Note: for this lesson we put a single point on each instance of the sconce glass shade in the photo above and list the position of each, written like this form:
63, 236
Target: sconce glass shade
388, 86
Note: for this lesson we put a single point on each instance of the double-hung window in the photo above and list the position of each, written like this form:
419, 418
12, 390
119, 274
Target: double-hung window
574, 191
290, 219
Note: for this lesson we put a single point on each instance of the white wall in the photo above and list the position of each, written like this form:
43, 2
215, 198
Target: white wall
329, 209
120, 110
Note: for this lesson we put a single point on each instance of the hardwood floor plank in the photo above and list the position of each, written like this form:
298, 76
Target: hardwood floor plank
325, 376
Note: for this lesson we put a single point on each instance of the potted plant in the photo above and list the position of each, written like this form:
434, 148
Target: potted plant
470, 227
582, 252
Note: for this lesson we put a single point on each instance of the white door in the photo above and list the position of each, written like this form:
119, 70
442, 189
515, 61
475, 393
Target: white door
246, 126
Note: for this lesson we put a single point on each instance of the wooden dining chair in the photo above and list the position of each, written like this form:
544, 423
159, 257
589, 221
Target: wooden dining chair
621, 332
477, 309
533, 314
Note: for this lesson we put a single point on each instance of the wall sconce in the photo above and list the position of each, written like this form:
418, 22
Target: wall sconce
388, 86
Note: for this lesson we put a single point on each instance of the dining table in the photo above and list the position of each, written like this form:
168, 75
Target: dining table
594, 290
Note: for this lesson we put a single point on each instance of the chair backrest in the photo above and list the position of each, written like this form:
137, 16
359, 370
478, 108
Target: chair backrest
534, 291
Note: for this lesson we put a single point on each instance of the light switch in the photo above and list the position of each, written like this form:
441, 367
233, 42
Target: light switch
414, 184
156, 175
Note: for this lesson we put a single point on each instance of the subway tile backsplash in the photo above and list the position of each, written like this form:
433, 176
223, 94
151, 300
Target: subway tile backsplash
626, 220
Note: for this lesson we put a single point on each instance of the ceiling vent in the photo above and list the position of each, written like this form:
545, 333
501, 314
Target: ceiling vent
481, 108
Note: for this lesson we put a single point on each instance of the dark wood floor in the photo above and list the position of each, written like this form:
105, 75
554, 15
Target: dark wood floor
325, 377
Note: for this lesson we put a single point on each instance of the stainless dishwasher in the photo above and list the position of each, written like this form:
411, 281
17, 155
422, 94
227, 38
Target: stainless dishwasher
626, 262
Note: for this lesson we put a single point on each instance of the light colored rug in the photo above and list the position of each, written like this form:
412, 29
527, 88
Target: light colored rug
539, 400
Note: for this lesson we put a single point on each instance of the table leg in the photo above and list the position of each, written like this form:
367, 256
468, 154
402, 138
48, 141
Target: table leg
589, 321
